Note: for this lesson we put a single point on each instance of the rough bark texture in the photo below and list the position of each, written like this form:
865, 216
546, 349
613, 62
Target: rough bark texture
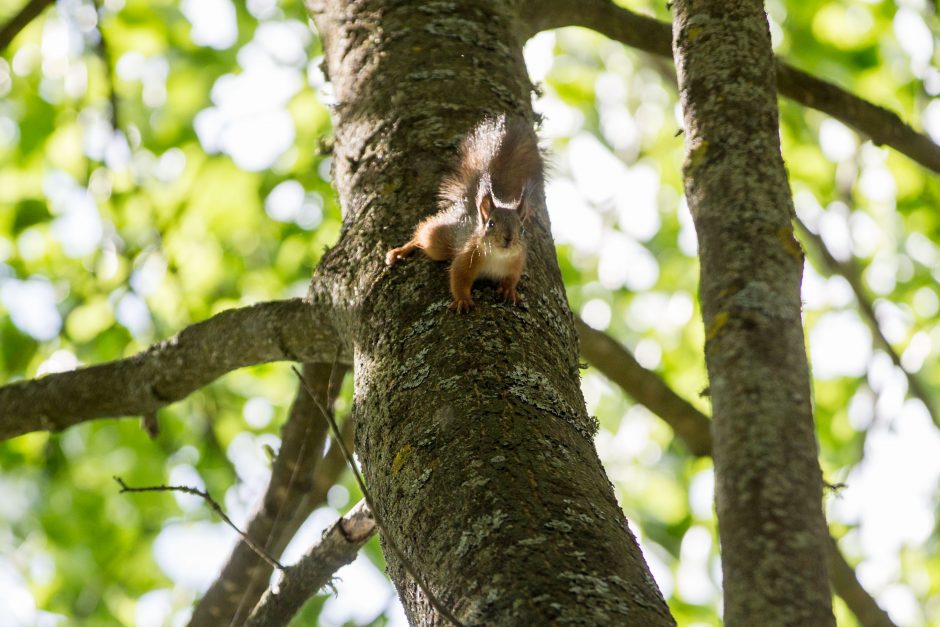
768, 482
171, 370
472, 428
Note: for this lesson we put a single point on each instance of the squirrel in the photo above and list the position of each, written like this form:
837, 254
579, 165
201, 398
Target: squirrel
485, 204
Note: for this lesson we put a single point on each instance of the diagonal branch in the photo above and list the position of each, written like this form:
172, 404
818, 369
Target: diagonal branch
853, 277
338, 547
294, 474
847, 586
21, 20
651, 35
884, 127
646, 387
169, 371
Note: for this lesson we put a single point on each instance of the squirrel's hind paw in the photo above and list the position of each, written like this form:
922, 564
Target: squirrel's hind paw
508, 294
461, 305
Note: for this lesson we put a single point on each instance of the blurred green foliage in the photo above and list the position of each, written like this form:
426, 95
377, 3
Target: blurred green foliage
178, 231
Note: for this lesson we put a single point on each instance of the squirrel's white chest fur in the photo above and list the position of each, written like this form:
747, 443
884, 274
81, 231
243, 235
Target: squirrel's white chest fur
497, 261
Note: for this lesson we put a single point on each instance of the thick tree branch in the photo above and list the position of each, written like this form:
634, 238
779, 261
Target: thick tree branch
169, 371
463, 418
244, 577
617, 364
21, 20
768, 484
338, 547
651, 35
850, 272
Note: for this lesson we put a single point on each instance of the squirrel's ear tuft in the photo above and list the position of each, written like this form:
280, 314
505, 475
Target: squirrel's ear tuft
486, 206
523, 206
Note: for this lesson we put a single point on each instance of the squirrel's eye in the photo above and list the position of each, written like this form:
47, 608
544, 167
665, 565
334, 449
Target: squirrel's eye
490, 224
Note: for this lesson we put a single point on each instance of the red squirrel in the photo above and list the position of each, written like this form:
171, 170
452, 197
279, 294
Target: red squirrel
485, 204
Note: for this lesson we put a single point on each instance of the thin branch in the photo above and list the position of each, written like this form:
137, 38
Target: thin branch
338, 547
850, 272
169, 371
244, 578
104, 51
651, 35
214, 505
645, 386
21, 20
406, 563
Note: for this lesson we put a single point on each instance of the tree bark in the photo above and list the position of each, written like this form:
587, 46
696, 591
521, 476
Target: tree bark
768, 482
472, 429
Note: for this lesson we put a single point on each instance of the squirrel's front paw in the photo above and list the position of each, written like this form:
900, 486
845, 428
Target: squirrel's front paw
508, 294
392, 257
461, 305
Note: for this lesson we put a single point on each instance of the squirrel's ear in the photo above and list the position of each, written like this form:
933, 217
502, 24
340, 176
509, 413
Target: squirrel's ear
486, 205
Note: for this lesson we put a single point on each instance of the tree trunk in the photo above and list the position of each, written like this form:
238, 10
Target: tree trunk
472, 429
768, 482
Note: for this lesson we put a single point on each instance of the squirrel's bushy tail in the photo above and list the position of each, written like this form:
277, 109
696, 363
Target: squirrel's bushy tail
500, 155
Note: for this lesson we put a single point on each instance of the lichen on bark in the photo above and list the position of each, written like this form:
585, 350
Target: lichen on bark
473, 433
768, 481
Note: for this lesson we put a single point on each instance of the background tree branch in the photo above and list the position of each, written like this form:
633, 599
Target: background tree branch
171, 370
851, 273
21, 20
651, 35
646, 388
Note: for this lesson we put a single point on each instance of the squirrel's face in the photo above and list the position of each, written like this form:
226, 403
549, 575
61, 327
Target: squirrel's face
503, 228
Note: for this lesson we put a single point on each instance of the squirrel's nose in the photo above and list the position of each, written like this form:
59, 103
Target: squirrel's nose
507, 241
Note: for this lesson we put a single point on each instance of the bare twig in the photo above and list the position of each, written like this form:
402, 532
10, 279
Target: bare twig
651, 35
406, 563
169, 371
21, 20
339, 546
850, 272
213, 504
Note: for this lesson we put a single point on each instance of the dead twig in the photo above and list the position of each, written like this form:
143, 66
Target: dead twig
213, 504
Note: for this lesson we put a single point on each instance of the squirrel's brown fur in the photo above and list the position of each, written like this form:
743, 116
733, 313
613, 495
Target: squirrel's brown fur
484, 205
